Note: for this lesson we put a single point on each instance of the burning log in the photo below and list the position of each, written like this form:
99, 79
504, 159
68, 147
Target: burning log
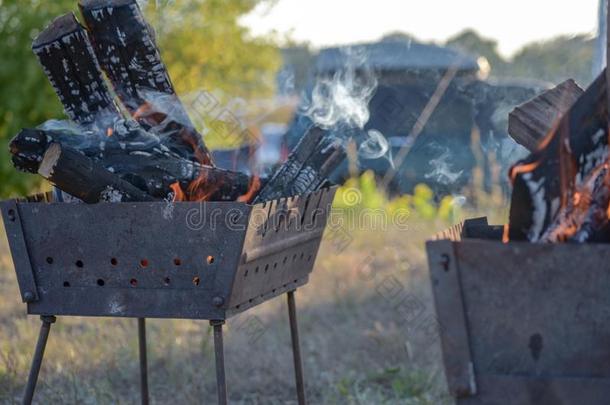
549, 184
67, 58
315, 172
529, 123
125, 47
136, 156
80, 176
296, 174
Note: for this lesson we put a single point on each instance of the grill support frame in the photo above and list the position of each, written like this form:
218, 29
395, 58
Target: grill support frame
277, 244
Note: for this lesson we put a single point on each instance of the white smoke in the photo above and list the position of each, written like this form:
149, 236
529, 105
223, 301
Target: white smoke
344, 98
441, 172
374, 146
341, 103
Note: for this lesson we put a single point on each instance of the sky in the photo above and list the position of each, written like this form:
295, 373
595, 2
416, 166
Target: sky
512, 23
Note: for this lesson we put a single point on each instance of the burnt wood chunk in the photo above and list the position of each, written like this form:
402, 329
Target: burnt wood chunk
125, 47
529, 123
67, 58
80, 176
315, 172
282, 181
308, 167
549, 184
135, 156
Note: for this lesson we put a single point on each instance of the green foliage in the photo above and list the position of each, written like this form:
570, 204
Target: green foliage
554, 61
557, 60
363, 193
27, 97
205, 47
470, 41
201, 41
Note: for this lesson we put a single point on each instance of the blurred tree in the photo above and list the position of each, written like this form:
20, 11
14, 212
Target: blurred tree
27, 98
205, 47
201, 41
471, 42
556, 60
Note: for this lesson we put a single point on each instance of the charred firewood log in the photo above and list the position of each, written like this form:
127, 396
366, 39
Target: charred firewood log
136, 156
547, 183
67, 58
313, 159
81, 177
532, 121
125, 47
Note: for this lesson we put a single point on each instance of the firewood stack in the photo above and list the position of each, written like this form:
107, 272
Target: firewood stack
129, 138
561, 192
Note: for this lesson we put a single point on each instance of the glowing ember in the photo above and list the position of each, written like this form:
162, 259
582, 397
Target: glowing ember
109, 132
255, 186
178, 193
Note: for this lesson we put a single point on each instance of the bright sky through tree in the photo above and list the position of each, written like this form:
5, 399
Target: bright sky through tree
512, 23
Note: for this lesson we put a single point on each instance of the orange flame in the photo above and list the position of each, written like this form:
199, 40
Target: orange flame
524, 168
109, 132
253, 188
143, 111
178, 193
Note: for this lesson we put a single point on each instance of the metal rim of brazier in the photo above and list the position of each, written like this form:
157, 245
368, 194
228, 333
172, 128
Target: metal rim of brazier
184, 260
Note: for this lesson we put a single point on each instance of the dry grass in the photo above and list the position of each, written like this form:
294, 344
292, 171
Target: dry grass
361, 343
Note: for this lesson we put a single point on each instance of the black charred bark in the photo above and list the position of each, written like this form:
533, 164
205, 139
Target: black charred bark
137, 157
545, 184
125, 47
307, 168
67, 58
80, 176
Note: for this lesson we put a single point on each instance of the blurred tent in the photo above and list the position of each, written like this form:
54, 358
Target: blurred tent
408, 72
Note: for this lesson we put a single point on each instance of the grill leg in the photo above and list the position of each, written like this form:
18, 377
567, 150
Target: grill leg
296, 349
43, 336
221, 382
143, 360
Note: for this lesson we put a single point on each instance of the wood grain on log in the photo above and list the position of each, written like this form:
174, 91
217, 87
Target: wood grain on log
532, 121
307, 168
80, 176
67, 58
138, 157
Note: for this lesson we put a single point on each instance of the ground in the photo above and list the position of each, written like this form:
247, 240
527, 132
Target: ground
368, 336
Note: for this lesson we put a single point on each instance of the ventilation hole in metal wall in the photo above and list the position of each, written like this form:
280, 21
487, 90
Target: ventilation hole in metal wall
302, 255
285, 260
196, 280
114, 261
266, 268
50, 260
66, 284
80, 264
309, 258
246, 274
166, 281
294, 258
144, 263
273, 291
256, 270
275, 265
251, 301
133, 282
177, 261
210, 259
11, 215
100, 282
